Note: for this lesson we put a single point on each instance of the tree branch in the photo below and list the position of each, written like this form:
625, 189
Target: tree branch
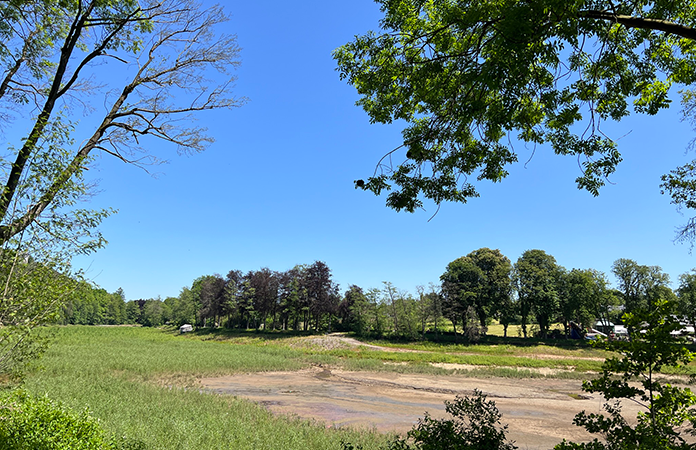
23, 155
643, 23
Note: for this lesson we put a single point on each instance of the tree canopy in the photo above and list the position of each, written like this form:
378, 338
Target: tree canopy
536, 275
480, 280
472, 78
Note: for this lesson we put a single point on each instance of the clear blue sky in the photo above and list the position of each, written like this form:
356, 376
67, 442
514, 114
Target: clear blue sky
276, 188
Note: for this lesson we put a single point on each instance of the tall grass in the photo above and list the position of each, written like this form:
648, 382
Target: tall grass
145, 353
117, 371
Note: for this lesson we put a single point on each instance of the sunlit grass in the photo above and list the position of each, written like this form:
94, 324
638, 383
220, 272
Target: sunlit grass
142, 383
117, 372
426, 352
539, 349
477, 360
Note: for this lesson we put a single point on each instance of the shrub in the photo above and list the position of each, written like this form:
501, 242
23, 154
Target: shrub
38, 423
475, 425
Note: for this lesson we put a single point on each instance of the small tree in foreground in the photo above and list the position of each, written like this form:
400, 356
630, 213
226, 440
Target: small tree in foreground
475, 424
633, 376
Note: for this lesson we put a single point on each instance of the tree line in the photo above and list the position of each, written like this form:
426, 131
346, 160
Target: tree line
537, 290
534, 292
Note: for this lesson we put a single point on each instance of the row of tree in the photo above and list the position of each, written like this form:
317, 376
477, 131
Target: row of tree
474, 290
303, 297
485, 284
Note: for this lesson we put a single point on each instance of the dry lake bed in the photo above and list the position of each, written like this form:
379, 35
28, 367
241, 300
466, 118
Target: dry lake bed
539, 412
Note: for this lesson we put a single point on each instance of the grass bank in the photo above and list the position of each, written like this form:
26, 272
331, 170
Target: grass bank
128, 377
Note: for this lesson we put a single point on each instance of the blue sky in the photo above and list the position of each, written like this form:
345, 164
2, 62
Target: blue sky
276, 188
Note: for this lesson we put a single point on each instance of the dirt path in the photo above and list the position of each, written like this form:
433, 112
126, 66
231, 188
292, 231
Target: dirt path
539, 412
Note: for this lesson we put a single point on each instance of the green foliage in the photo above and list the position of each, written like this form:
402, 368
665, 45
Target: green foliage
304, 297
131, 379
38, 423
389, 312
481, 281
152, 313
402, 310
632, 376
461, 286
35, 273
31, 293
680, 183
47, 51
537, 276
638, 282
472, 77
133, 312
475, 424
353, 310
89, 305
686, 297
376, 313
180, 310
585, 297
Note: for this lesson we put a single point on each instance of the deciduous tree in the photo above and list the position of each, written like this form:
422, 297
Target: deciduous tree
474, 423
472, 78
584, 297
167, 51
461, 288
353, 310
264, 283
166, 62
537, 274
322, 292
636, 281
212, 298
686, 294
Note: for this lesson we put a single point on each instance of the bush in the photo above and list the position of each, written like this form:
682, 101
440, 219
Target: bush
475, 425
38, 423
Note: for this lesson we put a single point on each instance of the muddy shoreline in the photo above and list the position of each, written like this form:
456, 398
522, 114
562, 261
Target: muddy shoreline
538, 412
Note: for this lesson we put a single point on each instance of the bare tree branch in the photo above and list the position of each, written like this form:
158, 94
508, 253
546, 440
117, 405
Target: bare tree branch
183, 69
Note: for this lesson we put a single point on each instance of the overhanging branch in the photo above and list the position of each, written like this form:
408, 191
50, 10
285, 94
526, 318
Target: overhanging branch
644, 23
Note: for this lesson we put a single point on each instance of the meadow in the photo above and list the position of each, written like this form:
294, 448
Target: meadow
138, 383
142, 382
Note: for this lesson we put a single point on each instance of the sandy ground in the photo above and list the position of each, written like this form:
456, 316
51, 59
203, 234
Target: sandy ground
539, 412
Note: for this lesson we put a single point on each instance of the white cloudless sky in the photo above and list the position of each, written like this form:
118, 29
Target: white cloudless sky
276, 188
